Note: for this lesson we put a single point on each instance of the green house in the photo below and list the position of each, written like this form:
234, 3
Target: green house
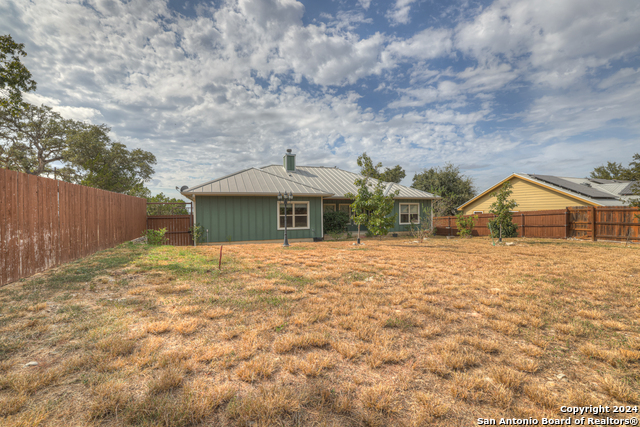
244, 207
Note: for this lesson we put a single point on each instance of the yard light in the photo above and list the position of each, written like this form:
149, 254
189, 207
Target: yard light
286, 198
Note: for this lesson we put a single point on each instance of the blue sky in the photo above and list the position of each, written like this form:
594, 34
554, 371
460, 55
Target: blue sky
495, 87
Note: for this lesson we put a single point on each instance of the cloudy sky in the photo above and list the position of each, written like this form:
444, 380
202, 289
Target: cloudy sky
212, 87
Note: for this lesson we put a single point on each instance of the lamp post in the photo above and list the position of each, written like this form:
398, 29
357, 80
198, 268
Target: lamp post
286, 197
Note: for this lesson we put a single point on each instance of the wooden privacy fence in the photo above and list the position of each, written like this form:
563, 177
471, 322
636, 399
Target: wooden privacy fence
581, 222
177, 228
44, 222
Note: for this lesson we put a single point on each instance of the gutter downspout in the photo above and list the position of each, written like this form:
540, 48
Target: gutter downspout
194, 216
322, 217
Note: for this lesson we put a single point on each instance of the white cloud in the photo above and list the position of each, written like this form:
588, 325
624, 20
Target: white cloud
558, 41
399, 14
224, 90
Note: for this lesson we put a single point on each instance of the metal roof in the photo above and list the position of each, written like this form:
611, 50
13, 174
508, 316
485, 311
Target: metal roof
628, 189
340, 182
583, 188
608, 191
254, 182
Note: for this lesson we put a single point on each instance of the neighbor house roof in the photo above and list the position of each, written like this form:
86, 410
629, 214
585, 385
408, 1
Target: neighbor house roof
254, 182
340, 182
597, 192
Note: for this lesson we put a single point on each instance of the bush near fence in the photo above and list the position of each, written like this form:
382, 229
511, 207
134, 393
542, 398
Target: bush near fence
611, 223
45, 222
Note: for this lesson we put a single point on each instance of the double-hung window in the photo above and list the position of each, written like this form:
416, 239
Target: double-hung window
409, 213
297, 215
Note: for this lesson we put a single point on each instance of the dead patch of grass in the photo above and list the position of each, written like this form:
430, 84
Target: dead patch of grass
10, 405
619, 390
116, 346
269, 405
166, 380
259, 368
380, 398
290, 342
109, 399
427, 408
307, 335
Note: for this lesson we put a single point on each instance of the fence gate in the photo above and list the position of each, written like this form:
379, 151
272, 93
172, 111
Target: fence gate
177, 218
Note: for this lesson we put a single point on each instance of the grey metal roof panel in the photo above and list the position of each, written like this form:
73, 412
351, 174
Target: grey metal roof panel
254, 181
340, 182
574, 187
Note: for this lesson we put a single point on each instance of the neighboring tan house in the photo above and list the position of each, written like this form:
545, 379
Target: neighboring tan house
244, 207
545, 192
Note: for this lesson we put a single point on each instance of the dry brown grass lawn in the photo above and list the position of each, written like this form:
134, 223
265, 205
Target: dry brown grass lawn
327, 334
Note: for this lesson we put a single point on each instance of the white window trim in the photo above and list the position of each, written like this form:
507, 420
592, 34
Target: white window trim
400, 214
294, 216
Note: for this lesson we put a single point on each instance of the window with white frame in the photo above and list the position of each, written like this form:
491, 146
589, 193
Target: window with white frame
409, 213
477, 212
297, 215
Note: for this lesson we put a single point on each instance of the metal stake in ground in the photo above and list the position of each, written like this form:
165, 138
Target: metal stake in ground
220, 260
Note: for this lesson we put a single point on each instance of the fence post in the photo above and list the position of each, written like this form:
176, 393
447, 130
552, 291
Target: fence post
449, 218
593, 225
567, 223
522, 216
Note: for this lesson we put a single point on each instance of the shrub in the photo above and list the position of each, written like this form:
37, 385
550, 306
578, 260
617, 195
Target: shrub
335, 221
424, 228
465, 224
156, 237
197, 233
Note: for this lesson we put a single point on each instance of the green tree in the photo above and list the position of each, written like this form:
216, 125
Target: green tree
15, 78
502, 224
33, 139
368, 169
615, 170
372, 208
177, 209
448, 183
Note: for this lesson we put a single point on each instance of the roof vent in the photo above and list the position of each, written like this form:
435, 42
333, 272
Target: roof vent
289, 161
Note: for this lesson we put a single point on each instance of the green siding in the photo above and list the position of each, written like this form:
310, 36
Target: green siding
244, 218
396, 210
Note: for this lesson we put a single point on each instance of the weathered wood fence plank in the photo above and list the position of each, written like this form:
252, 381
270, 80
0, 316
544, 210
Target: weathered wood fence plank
45, 222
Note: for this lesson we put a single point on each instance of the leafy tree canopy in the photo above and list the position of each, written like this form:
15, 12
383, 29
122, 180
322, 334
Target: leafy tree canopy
615, 170
15, 78
448, 183
368, 169
33, 139
177, 209
372, 208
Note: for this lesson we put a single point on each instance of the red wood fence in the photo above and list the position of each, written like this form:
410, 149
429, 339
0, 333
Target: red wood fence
582, 222
44, 222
